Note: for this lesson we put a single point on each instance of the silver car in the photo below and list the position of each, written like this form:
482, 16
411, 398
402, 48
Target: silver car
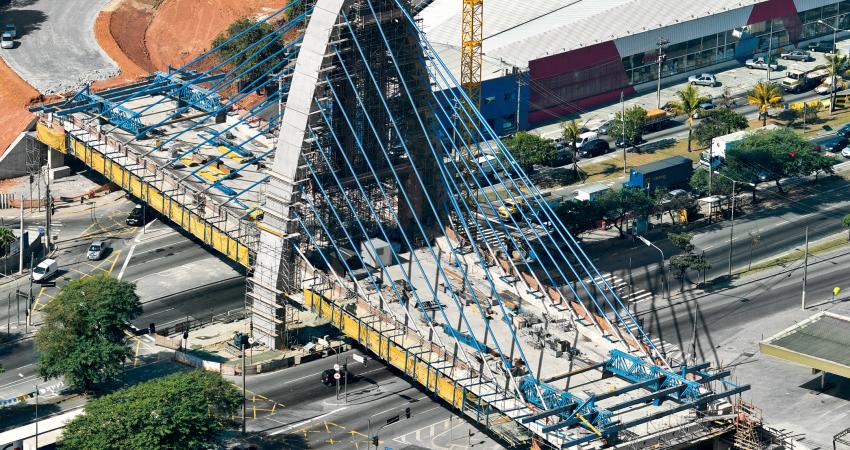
7, 40
96, 250
797, 55
705, 79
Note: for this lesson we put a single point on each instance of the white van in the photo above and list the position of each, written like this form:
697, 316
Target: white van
586, 137
44, 270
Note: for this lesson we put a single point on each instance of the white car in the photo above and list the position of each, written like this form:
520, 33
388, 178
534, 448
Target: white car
760, 63
7, 40
44, 270
705, 79
827, 87
96, 250
845, 152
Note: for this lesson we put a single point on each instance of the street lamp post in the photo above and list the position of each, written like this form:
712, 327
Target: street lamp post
732, 228
835, 30
663, 269
661, 43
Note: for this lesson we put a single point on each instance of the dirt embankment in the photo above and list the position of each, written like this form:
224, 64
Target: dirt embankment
184, 29
15, 96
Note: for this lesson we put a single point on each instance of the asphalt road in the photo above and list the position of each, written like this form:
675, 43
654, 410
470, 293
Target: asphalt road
297, 411
56, 48
163, 262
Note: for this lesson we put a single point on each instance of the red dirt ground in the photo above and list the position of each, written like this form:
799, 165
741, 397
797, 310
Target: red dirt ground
141, 36
15, 96
183, 29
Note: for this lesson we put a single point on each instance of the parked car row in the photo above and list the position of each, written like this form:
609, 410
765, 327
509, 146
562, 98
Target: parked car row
7, 37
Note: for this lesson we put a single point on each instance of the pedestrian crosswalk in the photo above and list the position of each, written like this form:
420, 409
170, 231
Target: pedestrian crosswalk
621, 287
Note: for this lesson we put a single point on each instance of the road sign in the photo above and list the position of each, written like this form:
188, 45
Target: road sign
359, 358
336, 367
41, 231
337, 376
836, 291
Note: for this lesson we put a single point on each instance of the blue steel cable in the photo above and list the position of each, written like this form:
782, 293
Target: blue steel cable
478, 305
245, 91
356, 251
407, 199
545, 209
231, 39
407, 93
379, 222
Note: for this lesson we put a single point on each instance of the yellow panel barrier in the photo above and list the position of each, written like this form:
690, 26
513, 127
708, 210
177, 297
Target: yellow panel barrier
51, 137
207, 175
193, 223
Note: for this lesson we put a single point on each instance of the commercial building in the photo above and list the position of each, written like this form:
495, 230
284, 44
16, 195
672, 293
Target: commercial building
548, 59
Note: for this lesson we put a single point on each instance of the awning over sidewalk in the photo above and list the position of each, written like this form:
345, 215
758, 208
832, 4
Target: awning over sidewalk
821, 342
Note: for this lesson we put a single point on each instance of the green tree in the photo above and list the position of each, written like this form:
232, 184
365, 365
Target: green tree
249, 50
83, 338
765, 95
571, 132
718, 122
187, 410
617, 204
837, 65
529, 149
579, 215
687, 260
6, 239
635, 120
687, 102
814, 163
845, 222
296, 8
770, 155
720, 185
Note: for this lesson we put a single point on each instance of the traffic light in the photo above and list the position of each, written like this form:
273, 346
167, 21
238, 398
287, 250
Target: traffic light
407, 413
152, 328
375, 441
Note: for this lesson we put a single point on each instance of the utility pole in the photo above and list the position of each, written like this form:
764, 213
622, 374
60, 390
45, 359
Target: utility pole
661, 43
623, 123
805, 268
21, 246
242, 341
732, 229
770, 48
519, 83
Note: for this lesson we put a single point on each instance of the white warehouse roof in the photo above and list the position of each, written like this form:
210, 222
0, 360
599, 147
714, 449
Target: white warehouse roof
518, 32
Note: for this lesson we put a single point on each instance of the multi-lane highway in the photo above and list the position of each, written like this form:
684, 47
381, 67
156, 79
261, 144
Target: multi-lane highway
176, 278
293, 407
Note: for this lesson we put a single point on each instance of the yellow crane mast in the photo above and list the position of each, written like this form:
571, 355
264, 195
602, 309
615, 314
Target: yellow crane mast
472, 27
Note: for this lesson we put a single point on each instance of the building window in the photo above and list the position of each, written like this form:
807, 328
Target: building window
489, 100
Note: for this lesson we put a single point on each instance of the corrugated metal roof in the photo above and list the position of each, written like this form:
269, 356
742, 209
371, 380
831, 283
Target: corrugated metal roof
662, 164
517, 32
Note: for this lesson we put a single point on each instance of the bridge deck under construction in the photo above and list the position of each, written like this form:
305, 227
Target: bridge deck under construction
342, 190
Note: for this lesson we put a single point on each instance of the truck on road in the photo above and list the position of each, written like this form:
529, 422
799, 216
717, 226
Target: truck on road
721, 144
655, 119
803, 80
669, 173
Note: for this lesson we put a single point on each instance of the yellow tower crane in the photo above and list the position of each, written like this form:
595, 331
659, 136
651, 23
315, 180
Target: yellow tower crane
472, 18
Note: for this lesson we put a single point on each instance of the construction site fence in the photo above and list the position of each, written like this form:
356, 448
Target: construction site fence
167, 205
197, 322
407, 360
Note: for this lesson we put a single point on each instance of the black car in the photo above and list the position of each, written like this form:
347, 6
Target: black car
593, 148
844, 130
820, 46
629, 143
832, 144
139, 216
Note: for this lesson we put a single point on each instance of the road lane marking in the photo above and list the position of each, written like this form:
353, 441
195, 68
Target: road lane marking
305, 422
126, 261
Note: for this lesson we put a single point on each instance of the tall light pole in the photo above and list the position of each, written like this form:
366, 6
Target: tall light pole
732, 228
664, 278
769, 49
835, 30
805, 269
661, 43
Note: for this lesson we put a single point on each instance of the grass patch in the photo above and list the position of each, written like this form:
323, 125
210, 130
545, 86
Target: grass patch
613, 168
797, 254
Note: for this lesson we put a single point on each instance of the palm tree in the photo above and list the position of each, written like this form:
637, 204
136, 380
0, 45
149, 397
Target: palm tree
765, 95
6, 239
571, 132
688, 103
837, 66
